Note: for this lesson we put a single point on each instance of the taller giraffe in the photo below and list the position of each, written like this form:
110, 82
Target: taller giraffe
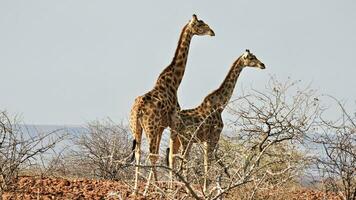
204, 123
157, 109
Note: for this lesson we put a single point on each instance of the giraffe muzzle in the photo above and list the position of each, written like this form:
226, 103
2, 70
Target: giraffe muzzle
262, 66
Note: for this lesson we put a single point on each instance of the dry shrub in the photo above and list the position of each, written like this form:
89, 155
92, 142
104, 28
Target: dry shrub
102, 151
20, 148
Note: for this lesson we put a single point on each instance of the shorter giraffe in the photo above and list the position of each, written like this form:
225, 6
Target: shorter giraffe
204, 123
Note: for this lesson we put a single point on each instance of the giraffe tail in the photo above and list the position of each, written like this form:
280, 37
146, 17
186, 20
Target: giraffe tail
133, 150
167, 156
135, 126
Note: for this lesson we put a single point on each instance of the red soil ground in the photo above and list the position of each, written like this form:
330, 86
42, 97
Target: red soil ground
59, 188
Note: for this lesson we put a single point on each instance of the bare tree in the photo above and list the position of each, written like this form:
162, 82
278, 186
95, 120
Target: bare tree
269, 125
264, 149
102, 150
19, 148
338, 164
53, 163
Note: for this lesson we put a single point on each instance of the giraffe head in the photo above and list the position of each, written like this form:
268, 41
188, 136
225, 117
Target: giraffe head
250, 60
198, 27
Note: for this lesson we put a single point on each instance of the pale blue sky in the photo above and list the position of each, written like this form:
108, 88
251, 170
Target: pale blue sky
70, 62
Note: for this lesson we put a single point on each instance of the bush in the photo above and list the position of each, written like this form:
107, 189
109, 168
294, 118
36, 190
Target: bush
19, 148
101, 151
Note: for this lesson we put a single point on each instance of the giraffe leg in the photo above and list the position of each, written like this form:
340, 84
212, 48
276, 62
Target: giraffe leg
185, 149
154, 142
136, 130
153, 158
206, 165
137, 168
208, 157
156, 152
174, 145
184, 164
138, 136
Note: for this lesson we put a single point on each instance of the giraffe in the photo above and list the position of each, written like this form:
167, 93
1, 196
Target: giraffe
156, 110
204, 123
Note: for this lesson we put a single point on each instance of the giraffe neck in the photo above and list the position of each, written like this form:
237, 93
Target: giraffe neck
171, 77
219, 98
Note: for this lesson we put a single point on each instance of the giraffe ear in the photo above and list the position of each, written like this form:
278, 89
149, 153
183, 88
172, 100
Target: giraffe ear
245, 54
193, 20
